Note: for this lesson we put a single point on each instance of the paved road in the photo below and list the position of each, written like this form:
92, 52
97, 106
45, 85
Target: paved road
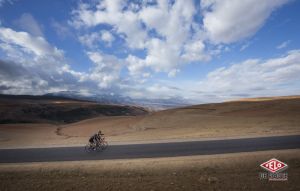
151, 150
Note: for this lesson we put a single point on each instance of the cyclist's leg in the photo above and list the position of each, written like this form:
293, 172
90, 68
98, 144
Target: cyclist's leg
93, 144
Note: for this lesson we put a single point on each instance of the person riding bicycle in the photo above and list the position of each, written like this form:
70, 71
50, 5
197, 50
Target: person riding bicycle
96, 138
96, 142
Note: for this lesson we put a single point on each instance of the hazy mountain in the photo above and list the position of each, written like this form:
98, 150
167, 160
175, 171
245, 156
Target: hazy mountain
106, 98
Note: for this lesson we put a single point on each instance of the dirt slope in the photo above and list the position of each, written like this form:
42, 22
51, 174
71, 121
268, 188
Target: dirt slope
48, 109
280, 116
222, 120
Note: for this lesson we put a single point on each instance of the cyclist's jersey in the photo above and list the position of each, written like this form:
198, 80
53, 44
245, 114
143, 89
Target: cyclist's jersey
95, 138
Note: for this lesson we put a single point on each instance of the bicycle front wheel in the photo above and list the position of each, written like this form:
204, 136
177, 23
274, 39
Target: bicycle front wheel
104, 145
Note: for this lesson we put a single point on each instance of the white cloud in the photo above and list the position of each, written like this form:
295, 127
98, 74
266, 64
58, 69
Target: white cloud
195, 51
110, 12
159, 38
228, 21
93, 39
90, 40
135, 65
250, 78
32, 66
256, 77
28, 23
153, 91
164, 31
173, 72
283, 44
174, 24
162, 56
28, 43
107, 37
159, 90
40, 67
167, 32
106, 71
170, 21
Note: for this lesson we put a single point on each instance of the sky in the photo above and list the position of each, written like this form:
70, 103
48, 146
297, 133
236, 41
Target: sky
198, 50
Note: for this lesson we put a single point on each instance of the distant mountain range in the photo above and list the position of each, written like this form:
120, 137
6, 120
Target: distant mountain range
153, 104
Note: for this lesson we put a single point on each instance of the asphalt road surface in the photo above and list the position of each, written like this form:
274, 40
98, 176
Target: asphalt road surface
150, 150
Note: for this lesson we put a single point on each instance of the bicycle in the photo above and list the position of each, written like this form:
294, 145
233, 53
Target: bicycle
100, 146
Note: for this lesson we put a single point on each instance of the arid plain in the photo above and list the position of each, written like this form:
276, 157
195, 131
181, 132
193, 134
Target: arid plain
242, 118
227, 120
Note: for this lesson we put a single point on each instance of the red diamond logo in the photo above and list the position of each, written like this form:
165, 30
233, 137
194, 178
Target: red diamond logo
273, 165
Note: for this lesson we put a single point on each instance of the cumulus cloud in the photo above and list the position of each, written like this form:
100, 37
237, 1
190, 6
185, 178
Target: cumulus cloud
164, 31
227, 21
250, 78
37, 66
90, 40
18, 78
106, 71
167, 31
256, 77
159, 37
27, 43
110, 12
106, 36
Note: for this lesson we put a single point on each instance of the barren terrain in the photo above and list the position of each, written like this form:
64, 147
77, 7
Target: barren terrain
215, 172
253, 118
240, 171
57, 110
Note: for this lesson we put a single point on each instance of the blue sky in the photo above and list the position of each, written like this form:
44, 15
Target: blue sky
203, 51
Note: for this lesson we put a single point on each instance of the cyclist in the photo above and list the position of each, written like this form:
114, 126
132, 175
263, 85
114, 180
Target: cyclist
96, 138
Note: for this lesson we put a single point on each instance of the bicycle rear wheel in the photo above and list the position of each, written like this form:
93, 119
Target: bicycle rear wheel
88, 148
